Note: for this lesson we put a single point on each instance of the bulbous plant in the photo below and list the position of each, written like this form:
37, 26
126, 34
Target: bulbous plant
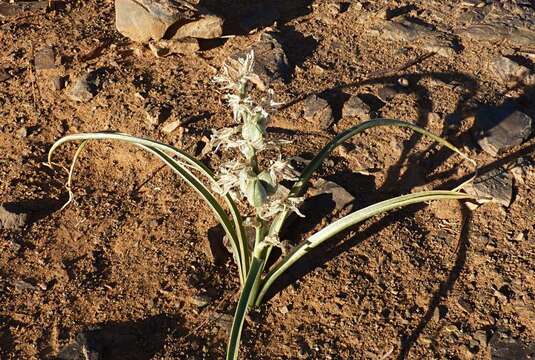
246, 182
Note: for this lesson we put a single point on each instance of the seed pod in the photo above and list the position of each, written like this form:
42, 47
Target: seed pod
256, 192
268, 181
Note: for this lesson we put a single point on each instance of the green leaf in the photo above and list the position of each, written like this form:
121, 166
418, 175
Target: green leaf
299, 187
251, 283
234, 231
350, 220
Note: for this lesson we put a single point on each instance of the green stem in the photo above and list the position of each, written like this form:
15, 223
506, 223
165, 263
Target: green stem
260, 252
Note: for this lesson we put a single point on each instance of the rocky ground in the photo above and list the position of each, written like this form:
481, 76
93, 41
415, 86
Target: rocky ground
134, 268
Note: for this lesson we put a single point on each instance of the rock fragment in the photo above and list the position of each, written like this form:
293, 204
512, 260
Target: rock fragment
164, 48
143, 20
340, 196
503, 347
318, 110
498, 33
508, 70
20, 7
82, 90
271, 62
170, 126
422, 36
355, 107
45, 58
207, 27
387, 93
223, 321
501, 128
56, 83
201, 300
495, 186
11, 220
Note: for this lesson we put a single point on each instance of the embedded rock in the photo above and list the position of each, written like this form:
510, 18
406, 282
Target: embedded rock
11, 220
20, 7
422, 36
207, 27
503, 347
81, 90
84, 347
270, 64
318, 110
494, 186
340, 196
45, 59
144, 20
355, 107
501, 128
498, 33
508, 70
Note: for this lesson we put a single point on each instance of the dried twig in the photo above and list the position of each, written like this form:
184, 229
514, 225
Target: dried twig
35, 89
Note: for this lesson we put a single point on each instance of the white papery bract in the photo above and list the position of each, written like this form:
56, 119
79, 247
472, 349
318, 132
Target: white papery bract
282, 170
242, 178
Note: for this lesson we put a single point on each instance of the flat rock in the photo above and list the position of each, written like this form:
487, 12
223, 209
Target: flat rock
318, 110
271, 62
503, 347
81, 90
508, 70
408, 31
207, 27
498, 33
340, 196
355, 107
143, 20
501, 128
11, 220
495, 186
20, 7
45, 58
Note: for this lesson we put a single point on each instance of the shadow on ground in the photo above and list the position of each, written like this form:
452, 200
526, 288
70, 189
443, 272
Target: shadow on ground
133, 340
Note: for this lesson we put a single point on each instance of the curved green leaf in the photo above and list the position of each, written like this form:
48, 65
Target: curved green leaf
235, 232
299, 187
342, 224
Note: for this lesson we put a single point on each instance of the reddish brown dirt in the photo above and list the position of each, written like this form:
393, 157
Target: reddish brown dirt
129, 257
